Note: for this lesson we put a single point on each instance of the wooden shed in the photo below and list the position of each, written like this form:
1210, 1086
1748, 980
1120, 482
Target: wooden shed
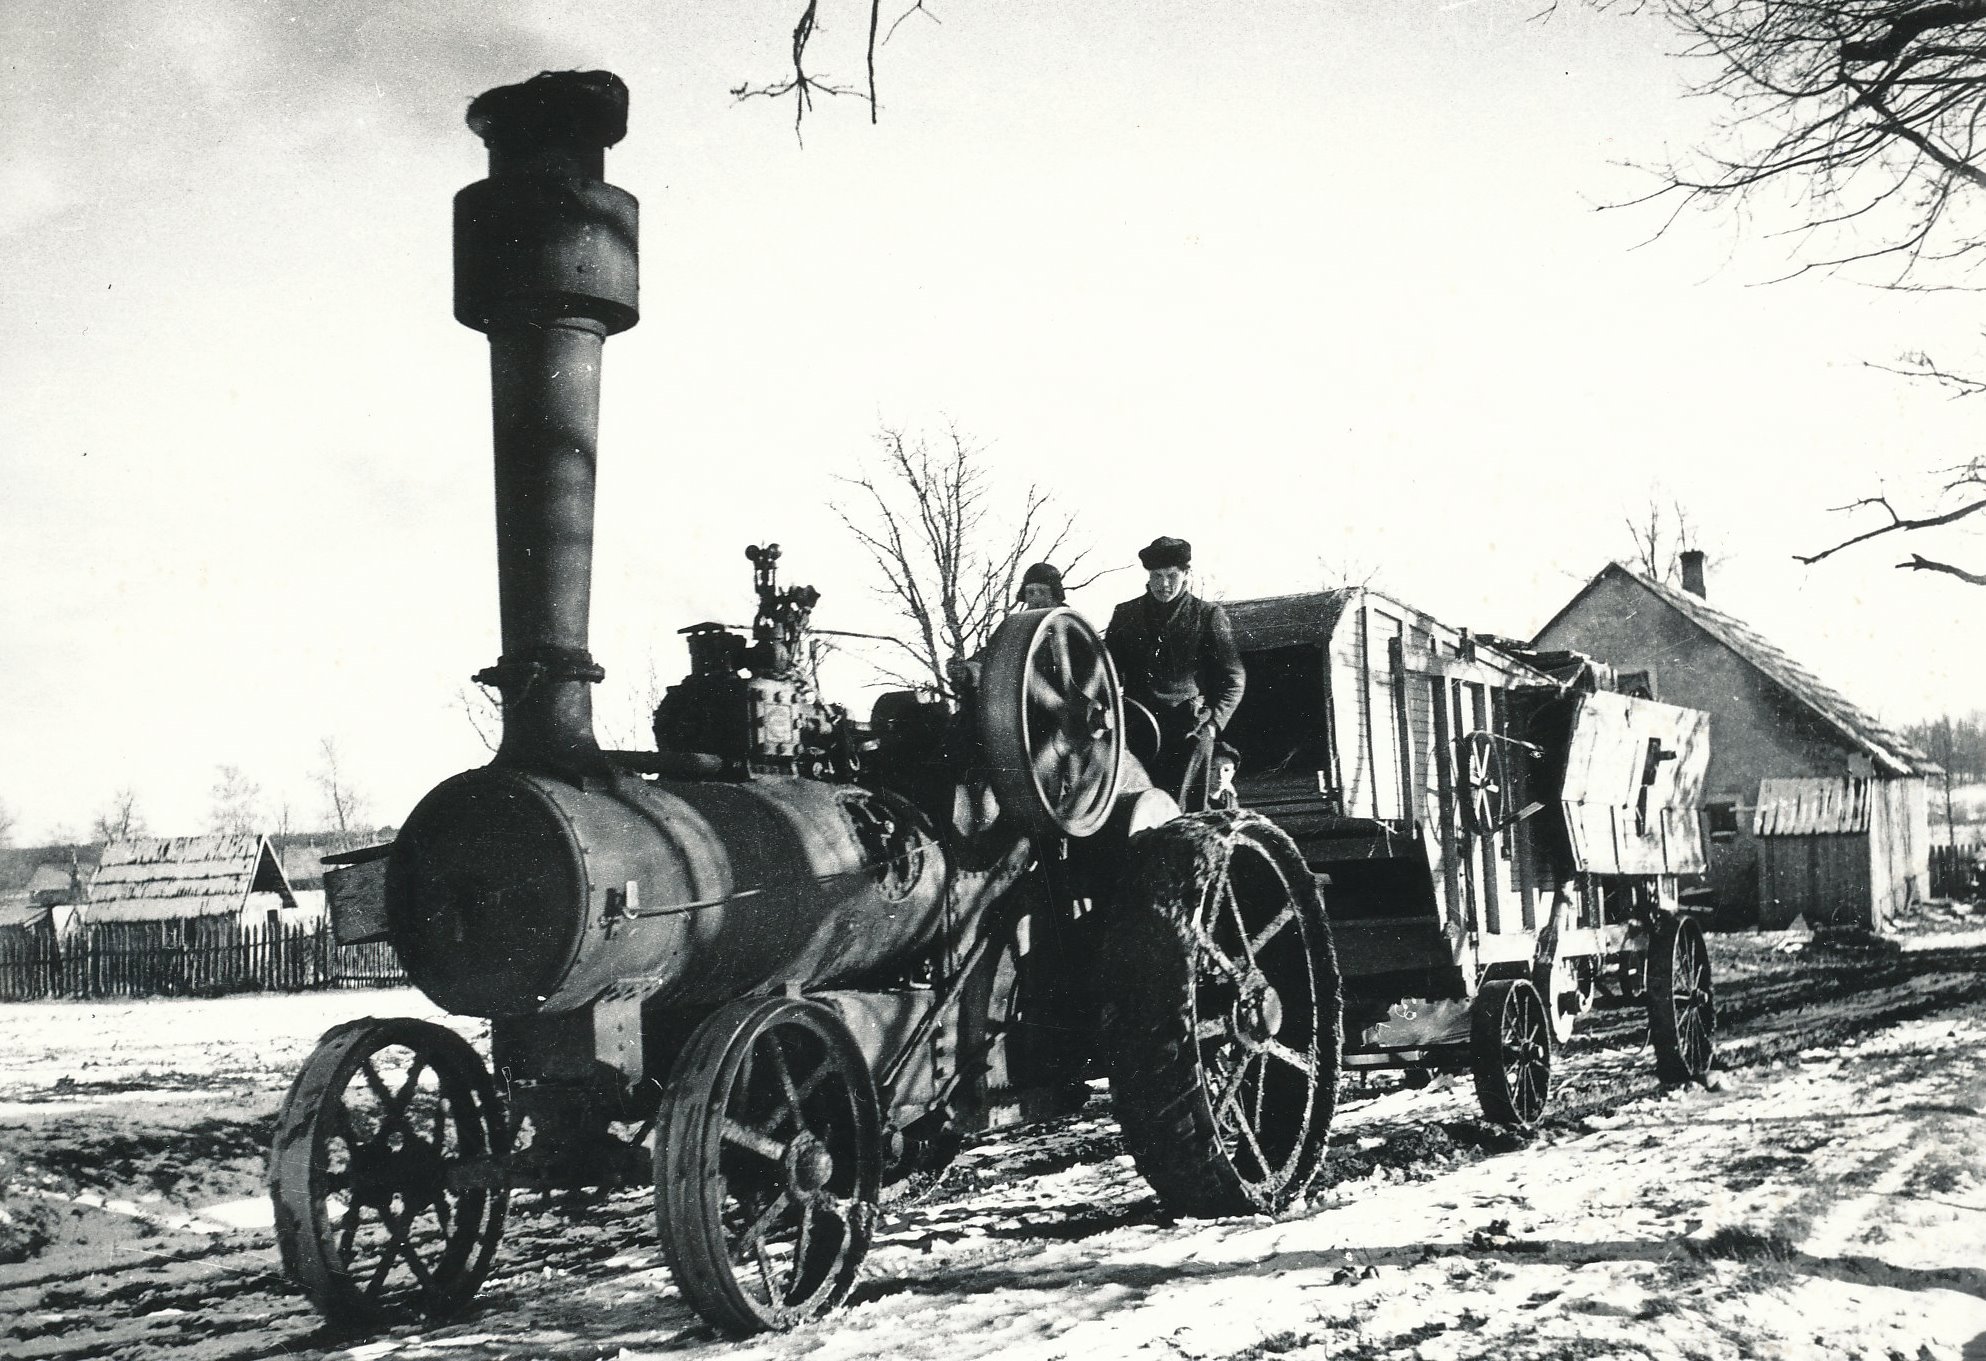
187, 877
1830, 848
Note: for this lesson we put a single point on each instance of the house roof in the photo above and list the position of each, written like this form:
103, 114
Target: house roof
1887, 749
27, 914
48, 876
1811, 807
151, 879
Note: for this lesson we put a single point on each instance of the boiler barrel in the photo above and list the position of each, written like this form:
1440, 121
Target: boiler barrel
510, 893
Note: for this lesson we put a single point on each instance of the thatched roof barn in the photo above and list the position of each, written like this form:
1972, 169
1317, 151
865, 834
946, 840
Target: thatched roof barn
153, 879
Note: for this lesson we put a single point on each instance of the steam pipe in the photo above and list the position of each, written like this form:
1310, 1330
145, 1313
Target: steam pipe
546, 266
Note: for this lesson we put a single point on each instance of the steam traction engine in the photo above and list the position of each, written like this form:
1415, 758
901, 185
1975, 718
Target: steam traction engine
787, 955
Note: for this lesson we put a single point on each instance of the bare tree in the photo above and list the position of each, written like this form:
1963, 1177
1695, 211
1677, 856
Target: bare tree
1870, 112
345, 808
948, 556
1660, 534
1870, 116
120, 821
236, 801
7, 825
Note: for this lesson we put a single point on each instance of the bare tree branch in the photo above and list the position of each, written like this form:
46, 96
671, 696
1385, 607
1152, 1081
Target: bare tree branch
1919, 563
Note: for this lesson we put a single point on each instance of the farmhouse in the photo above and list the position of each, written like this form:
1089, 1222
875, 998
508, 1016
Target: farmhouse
1813, 809
181, 878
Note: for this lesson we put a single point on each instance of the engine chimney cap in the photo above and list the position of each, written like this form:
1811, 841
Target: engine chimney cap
579, 108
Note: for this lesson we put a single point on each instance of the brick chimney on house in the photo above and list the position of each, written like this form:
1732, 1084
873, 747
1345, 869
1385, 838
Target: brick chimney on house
1693, 572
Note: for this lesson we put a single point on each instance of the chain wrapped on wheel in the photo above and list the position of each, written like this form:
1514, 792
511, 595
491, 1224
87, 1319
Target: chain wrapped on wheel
1222, 1020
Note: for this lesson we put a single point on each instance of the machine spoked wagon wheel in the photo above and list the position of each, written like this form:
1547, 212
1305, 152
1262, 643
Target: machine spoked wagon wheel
1682, 1004
1483, 784
1051, 722
1222, 1028
1510, 1049
387, 1172
768, 1165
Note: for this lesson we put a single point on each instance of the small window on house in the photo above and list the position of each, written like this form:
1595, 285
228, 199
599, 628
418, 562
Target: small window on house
1721, 820
1638, 684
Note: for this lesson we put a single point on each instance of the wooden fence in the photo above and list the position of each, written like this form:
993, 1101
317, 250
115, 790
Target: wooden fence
1954, 871
194, 956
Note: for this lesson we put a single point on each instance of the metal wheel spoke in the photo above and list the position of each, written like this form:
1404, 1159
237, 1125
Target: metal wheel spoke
1276, 923
773, 1294
1213, 1028
1303, 1063
378, 1085
1043, 691
753, 1140
397, 1110
785, 1075
1220, 959
342, 1119
806, 1234
754, 1236
404, 1245
1249, 1137
1059, 640
1232, 1088
1233, 905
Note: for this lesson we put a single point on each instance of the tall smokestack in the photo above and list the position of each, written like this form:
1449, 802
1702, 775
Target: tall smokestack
1693, 573
545, 265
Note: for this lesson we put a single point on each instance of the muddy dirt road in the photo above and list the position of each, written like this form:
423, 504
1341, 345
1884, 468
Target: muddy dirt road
1823, 1199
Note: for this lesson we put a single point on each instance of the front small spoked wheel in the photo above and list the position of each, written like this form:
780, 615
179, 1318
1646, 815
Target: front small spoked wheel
388, 1172
1682, 1004
768, 1165
1510, 1050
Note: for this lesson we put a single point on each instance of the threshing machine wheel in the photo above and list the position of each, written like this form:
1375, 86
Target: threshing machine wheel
1682, 1005
388, 1173
1222, 1015
768, 1164
1051, 722
1483, 783
1510, 1048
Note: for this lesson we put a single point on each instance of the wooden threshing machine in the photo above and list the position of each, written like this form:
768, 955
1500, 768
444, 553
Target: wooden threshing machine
1502, 831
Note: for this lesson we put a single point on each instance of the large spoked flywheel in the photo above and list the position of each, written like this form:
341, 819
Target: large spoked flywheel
768, 1165
1222, 1024
1682, 1004
1051, 722
387, 1172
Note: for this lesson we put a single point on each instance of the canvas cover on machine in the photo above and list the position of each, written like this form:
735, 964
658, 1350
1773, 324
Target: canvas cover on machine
1633, 779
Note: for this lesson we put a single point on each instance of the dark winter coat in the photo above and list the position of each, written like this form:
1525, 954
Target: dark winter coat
1176, 654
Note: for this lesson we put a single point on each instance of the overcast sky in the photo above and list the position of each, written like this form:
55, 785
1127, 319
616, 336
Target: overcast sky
1313, 285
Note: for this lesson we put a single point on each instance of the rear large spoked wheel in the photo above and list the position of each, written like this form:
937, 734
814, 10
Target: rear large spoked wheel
768, 1165
1510, 1050
1221, 1031
1682, 1004
387, 1172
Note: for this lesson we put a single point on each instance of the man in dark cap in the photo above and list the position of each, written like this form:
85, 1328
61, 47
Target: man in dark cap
1041, 587
1175, 654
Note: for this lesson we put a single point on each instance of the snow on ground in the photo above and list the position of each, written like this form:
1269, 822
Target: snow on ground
1825, 1199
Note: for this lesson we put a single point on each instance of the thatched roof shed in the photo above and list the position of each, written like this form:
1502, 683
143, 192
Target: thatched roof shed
153, 879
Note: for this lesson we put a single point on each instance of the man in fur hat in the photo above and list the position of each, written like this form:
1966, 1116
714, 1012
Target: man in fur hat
1041, 587
1175, 654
